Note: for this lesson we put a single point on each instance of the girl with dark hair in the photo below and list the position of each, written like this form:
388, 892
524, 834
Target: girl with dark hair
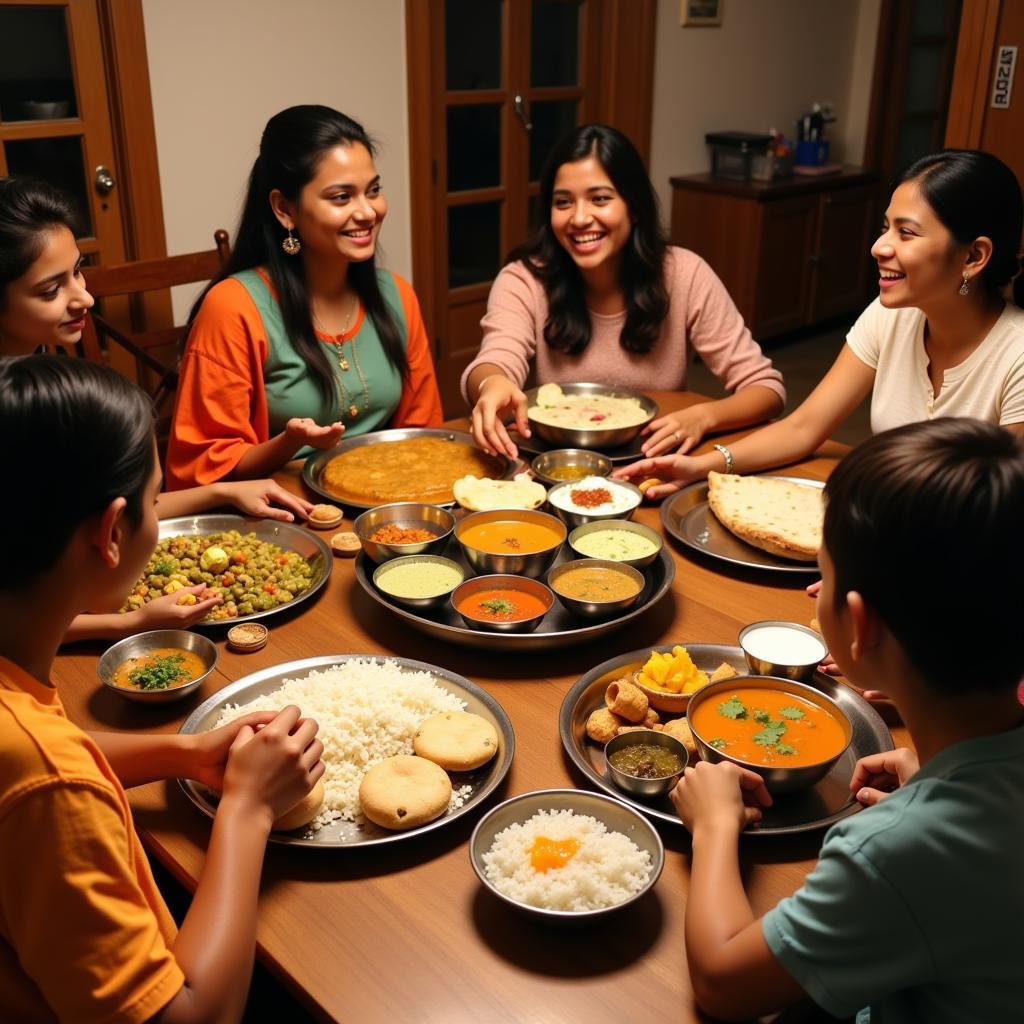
598, 295
302, 336
943, 338
44, 302
85, 932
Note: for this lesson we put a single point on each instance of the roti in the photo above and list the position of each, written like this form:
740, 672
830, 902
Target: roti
777, 516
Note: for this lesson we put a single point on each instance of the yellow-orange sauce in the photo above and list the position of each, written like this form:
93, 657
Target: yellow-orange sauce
550, 854
180, 667
511, 537
808, 735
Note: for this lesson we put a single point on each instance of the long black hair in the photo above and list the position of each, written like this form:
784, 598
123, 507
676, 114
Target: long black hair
102, 425
293, 144
642, 270
974, 193
29, 209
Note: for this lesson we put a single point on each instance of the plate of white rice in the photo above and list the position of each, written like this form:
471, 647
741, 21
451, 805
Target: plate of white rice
566, 855
368, 707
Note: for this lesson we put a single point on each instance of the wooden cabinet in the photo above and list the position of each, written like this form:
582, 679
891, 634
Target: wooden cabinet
791, 253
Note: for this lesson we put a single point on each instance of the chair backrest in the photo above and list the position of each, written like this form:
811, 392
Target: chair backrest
134, 333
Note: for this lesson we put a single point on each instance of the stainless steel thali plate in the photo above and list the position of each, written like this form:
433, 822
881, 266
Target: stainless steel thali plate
687, 517
285, 535
558, 628
314, 467
823, 805
336, 834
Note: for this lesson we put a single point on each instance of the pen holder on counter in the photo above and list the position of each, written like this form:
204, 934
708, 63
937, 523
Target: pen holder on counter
811, 153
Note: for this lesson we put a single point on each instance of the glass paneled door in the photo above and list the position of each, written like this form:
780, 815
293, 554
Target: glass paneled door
512, 80
55, 116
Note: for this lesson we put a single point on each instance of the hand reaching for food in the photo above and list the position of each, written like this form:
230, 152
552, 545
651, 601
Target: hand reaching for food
305, 431
877, 775
719, 795
672, 471
678, 431
173, 610
265, 499
498, 396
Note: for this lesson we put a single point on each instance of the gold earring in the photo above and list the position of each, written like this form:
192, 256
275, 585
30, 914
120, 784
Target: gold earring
964, 290
291, 244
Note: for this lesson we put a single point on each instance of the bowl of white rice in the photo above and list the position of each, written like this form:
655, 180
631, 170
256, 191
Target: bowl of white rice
594, 498
566, 856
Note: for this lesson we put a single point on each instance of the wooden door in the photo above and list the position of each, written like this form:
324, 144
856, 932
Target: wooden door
786, 257
55, 113
494, 84
976, 119
841, 256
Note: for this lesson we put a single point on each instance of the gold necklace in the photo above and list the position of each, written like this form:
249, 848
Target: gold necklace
352, 409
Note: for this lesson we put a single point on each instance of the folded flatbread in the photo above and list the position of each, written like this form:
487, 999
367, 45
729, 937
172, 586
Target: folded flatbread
777, 516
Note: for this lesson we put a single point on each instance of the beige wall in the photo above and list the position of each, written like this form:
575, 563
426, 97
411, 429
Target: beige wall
220, 69
763, 67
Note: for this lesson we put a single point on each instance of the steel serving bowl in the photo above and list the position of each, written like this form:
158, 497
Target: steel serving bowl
418, 603
594, 463
802, 672
532, 564
596, 609
614, 814
142, 643
779, 780
575, 518
619, 524
408, 515
502, 582
592, 437
633, 784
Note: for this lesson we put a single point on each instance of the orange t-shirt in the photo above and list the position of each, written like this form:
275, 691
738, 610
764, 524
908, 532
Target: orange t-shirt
84, 932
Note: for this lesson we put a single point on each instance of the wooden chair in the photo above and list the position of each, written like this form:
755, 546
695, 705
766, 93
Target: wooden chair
119, 331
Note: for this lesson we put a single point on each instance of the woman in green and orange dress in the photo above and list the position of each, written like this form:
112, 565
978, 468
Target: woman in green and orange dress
302, 337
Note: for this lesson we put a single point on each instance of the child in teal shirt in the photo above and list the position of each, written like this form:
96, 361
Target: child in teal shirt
915, 910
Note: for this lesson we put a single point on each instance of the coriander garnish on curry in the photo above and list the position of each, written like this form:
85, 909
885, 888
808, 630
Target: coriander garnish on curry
163, 668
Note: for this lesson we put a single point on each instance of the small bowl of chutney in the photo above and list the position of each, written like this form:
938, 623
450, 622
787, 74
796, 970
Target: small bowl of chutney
566, 465
645, 763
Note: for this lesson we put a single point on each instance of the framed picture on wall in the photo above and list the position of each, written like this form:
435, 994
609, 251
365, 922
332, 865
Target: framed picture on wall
695, 13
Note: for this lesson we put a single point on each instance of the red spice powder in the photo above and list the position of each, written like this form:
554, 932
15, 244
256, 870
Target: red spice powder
591, 497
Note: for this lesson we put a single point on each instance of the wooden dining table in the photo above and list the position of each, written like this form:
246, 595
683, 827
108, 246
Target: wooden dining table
406, 932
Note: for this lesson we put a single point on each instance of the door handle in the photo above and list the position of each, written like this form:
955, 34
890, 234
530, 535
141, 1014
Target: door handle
520, 111
104, 180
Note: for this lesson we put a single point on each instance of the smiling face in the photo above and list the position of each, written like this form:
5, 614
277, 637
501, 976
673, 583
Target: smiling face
589, 217
918, 260
48, 304
339, 212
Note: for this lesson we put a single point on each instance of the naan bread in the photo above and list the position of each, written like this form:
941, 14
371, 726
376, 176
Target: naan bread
777, 516
478, 495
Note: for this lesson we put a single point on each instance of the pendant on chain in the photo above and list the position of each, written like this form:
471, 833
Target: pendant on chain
353, 411
343, 363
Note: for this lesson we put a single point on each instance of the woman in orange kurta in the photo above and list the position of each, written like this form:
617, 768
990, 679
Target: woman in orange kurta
303, 337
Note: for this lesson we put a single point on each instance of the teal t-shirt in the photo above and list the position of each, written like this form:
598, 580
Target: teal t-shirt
369, 384
916, 905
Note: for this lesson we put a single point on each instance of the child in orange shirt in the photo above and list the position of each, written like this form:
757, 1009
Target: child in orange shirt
84, 933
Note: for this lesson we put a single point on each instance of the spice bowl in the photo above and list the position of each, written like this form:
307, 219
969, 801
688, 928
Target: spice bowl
404, 515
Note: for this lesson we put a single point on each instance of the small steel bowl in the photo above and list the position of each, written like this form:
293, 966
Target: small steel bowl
524, 583
417, 603
620, 524
532, 564
614, 814
598, 437
595, 464
801, 672
574, 518
409, 515
596, 609
141, 644
777, 779
644, 788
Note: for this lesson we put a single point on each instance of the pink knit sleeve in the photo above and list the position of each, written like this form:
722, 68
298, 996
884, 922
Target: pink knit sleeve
512, 325
716, 330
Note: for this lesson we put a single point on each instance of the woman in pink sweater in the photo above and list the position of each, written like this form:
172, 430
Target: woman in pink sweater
598, 295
